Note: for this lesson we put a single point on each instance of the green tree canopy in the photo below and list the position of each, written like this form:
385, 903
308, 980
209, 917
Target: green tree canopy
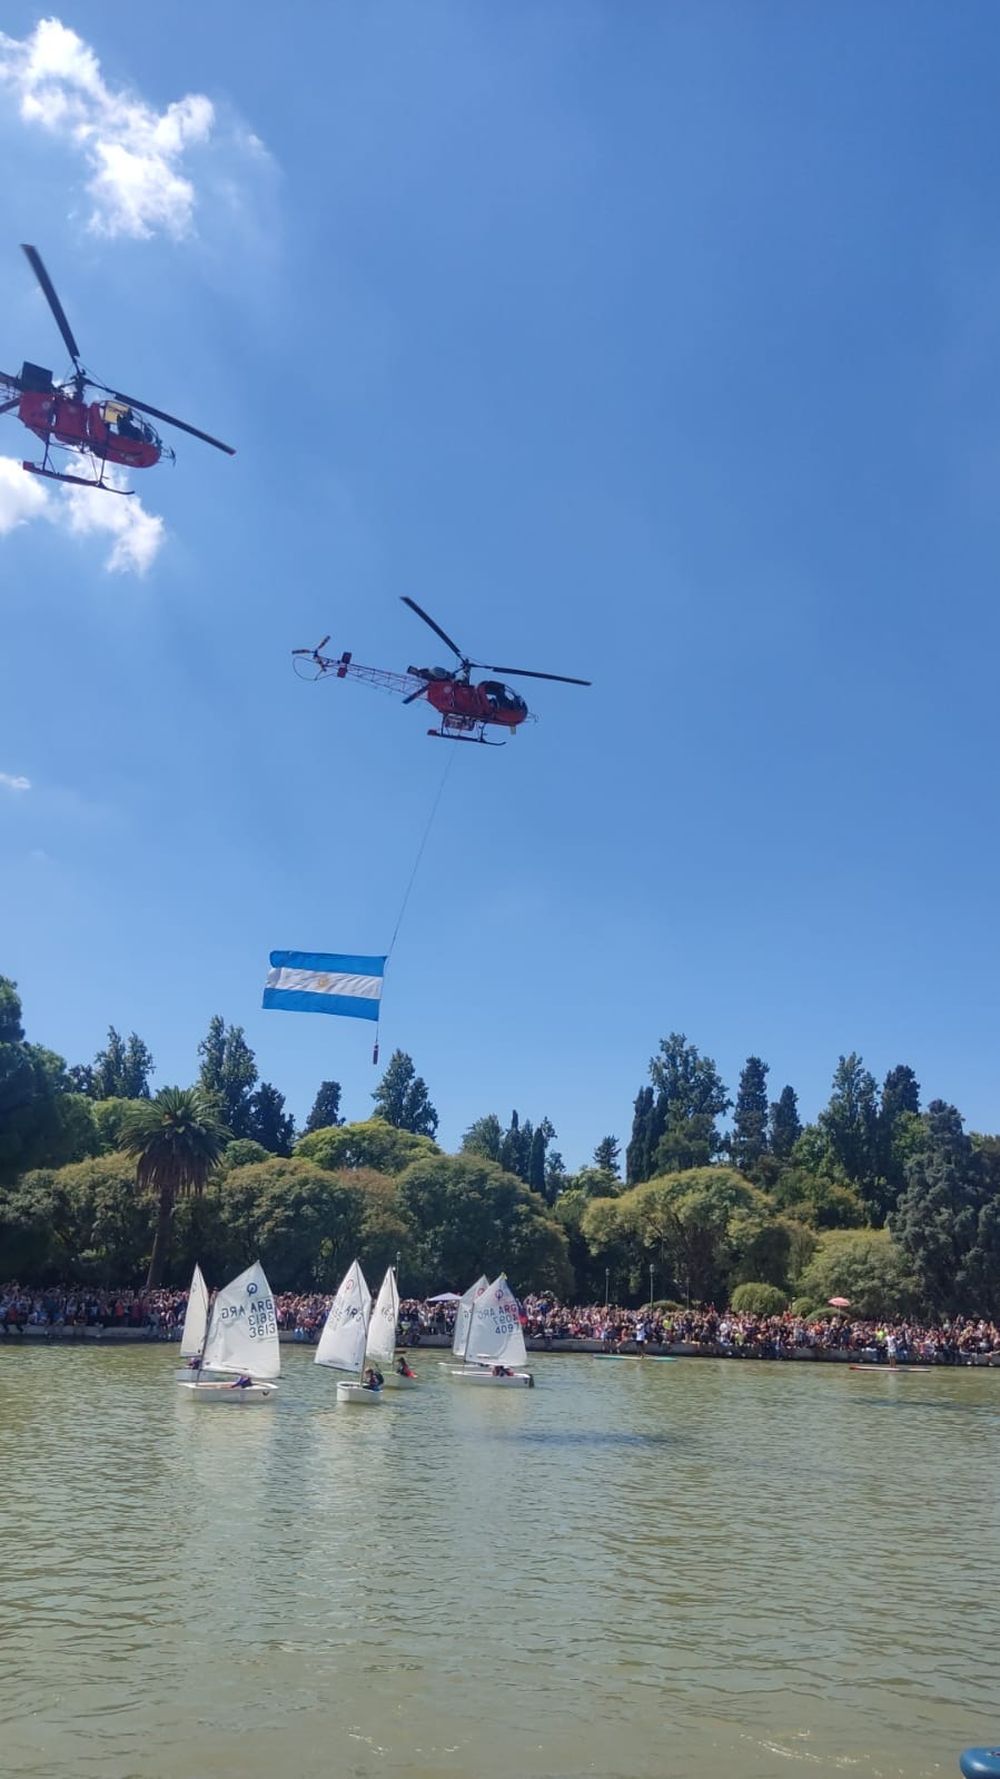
694, 1227
484, 1137
371, 1144
689, 1097
468, 1216
607, 1157
85, 1222
863, 1265
241, 1152
946, 1221
757, 1299
268, 1123
304, 1219
42, 1123
849, 1126
401, 1097
122, 1069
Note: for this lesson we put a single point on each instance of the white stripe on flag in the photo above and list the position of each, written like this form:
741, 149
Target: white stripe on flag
317, 982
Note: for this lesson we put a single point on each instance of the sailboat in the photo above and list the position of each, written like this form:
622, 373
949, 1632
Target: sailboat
345, 1336
241, 1338
381, 1349
463, 1320
494, 1345
195, 1327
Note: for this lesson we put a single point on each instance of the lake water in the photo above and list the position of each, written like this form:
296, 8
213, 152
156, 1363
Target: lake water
635, 1570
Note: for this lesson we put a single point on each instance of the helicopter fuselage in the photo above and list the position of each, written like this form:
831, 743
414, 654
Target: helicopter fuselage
54, 415
464, 705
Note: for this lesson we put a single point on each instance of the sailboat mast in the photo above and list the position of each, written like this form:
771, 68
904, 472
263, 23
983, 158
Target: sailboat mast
364, 1345
468, 1332
204, 1340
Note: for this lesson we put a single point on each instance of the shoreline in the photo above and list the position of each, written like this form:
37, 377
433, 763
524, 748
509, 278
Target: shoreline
42, 1336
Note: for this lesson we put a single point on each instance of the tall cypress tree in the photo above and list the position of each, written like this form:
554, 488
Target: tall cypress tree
536, 1161
749, 1140
898, 1107
638, 1165
510, 1148
786, 1125
325, 1107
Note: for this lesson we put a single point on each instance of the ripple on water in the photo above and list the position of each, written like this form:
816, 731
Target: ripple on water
632, 1571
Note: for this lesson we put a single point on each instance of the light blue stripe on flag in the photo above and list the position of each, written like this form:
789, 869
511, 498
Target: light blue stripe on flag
297, 1001
325, 982
332, 963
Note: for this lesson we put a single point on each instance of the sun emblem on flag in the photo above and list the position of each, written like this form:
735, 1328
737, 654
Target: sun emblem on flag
322, 982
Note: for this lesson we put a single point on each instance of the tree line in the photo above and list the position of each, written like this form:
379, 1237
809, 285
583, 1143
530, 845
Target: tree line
890, 1204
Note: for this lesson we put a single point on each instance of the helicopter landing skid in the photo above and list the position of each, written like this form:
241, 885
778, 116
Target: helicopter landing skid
478, 740
54, 475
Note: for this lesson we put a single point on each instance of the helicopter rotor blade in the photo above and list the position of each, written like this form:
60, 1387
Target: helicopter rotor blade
168, 419
564, 679
443, 634
419, 693
37, 265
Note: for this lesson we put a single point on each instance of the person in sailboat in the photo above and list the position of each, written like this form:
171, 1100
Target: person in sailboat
243, 1382
403, 1369
502, 1371
373, 1379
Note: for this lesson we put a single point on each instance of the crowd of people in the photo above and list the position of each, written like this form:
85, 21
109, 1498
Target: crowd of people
159, 1315
960, 1340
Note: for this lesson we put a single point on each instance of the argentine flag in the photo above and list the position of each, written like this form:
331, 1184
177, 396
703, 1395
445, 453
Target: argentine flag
325, 982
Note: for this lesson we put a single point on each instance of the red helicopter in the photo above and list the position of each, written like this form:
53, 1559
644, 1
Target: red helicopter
101, 432
466, 710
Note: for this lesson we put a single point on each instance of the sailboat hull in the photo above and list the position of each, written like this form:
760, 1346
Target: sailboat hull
217, 1390
394, 1381
359, 1395
471, 1374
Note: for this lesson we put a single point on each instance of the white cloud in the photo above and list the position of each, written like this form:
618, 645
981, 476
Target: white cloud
137, 534
22, 497
135, 156
14, 782
84, 512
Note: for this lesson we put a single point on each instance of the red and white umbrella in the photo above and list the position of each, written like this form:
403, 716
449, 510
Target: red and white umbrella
839, 1303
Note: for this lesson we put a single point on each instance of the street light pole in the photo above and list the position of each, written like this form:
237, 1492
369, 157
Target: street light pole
651, 1284
607, 1286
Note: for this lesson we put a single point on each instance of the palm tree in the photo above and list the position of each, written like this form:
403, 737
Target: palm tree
177, 1139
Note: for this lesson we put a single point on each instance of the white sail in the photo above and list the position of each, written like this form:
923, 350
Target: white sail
464, 1316
496, 1335
382, 1327
345, 1331
195, 1316
243, 1329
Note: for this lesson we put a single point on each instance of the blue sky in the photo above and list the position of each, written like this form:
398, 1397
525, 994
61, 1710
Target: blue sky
655, 344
